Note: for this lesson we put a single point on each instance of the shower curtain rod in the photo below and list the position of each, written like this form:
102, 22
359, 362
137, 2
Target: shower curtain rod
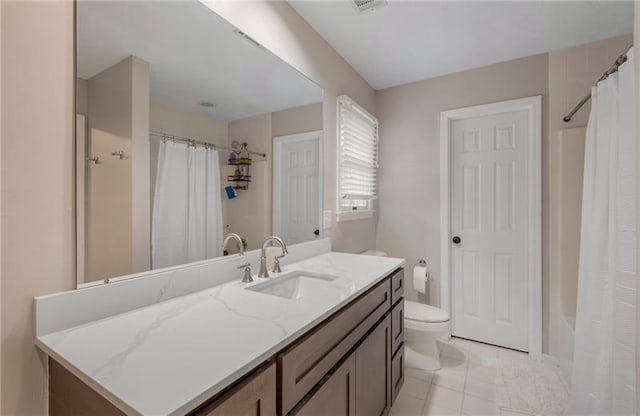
614, 68
194, 142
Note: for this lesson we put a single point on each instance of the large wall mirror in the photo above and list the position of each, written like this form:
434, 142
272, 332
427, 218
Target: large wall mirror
186, 130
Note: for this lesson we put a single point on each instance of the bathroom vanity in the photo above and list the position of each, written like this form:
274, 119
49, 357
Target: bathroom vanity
323, 337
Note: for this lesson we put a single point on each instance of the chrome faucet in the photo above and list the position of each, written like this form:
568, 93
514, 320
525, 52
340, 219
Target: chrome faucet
263, 256
238, 238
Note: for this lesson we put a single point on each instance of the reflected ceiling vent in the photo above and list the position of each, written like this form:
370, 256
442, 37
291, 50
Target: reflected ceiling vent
370, 5
207, 104
248, 38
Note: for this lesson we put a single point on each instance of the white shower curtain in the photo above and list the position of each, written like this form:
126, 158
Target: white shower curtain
187, 208
603, 380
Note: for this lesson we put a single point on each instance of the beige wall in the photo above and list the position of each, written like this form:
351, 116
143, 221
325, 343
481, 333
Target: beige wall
249, 214
37, 164
297, 120
36, 208
170, 119
281, 30
1, 356
409, 218
82, 102
139, 159
117, 210
636, 41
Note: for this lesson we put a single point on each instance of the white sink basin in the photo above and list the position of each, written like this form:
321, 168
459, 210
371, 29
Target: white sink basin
300, 284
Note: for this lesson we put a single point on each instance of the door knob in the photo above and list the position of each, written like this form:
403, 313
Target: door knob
456, 240
317, 232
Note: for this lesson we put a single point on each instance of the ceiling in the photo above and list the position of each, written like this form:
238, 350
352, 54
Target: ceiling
194, 56
407, 41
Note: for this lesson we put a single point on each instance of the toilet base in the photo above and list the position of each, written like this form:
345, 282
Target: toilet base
421, 348
428, 359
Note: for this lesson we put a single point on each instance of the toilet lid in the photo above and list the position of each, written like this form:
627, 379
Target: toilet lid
425, 313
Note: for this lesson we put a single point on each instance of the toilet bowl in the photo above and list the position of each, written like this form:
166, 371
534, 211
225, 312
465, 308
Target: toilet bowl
424, 325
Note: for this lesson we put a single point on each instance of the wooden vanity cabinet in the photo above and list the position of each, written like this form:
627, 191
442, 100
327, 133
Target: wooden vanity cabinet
68, 395
254, 396
351, 364
397, 334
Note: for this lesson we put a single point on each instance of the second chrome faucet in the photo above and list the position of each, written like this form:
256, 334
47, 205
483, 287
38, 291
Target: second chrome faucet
263, 256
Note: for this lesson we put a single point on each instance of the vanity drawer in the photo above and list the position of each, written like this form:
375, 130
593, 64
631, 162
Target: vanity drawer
397, 286
397, 373
305, 363
335, 395
397, 325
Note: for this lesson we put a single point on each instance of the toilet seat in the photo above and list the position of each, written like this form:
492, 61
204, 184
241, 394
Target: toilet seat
420, 312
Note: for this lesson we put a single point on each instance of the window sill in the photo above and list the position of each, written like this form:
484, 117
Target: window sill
353, 215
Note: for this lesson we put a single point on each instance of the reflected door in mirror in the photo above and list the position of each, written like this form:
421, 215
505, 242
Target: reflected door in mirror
296, 187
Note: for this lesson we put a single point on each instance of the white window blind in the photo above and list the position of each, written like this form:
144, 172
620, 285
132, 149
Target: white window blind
358, 154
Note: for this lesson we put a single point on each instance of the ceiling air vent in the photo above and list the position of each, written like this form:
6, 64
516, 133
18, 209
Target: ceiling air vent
248, 38
364, 5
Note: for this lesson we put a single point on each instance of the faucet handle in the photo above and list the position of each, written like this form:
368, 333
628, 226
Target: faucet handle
246, 277
276, 264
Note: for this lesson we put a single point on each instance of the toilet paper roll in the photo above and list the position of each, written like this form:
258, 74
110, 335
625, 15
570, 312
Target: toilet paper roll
420, 278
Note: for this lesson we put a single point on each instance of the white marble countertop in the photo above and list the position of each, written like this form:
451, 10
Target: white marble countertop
167, 358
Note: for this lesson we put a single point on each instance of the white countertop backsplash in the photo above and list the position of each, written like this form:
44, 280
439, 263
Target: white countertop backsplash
167, 356
96, 301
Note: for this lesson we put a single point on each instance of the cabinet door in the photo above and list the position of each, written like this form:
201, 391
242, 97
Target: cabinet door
334, 396
397, 326
256, 396
373, 370
397, 373
397, 286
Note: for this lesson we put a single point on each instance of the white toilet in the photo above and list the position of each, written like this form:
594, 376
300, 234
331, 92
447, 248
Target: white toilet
423, 325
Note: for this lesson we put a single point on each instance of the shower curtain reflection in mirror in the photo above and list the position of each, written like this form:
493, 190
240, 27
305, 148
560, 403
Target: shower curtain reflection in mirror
187, 208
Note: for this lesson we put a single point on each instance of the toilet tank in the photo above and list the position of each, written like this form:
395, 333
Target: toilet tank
374, 253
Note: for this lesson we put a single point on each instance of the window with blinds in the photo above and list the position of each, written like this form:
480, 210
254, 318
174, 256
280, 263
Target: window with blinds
357, 155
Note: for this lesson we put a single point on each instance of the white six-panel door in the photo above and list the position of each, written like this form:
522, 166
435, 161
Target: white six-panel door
297, 187
489, 231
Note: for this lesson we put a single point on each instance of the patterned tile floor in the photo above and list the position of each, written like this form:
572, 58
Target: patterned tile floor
478, 379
